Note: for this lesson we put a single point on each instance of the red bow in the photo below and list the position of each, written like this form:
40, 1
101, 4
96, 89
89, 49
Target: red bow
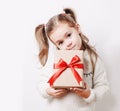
62, 65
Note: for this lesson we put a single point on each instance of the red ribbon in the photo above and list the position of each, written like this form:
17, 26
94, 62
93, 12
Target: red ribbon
62, 65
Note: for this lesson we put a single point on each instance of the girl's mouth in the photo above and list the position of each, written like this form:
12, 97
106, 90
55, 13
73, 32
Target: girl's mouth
71, 48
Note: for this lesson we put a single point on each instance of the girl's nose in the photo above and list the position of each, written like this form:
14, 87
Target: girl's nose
68, 43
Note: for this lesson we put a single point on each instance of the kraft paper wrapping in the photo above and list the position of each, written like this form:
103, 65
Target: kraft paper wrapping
67, 78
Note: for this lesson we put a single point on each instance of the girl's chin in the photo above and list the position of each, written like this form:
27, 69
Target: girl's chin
76, 48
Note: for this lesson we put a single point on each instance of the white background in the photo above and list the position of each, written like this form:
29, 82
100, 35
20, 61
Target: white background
19, 66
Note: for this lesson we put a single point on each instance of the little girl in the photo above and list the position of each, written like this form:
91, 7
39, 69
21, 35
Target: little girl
64, 32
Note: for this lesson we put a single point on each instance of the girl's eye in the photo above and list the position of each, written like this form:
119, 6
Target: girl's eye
60, 43
69, 35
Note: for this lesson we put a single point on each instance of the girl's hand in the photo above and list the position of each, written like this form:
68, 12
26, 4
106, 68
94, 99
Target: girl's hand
57, 93
82, 92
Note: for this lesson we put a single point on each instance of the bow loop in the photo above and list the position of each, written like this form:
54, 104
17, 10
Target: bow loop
75, 59
61, 63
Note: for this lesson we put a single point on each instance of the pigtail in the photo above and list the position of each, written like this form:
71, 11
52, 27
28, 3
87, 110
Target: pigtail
91, 51
42, 40
71, 13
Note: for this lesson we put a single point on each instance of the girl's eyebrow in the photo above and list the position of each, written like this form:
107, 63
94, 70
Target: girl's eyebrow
62, 37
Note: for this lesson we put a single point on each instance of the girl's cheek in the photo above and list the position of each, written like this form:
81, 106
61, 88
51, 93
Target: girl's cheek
65, 47
62, 47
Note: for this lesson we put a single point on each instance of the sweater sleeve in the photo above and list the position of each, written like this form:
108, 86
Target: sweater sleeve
101, 84
42, 86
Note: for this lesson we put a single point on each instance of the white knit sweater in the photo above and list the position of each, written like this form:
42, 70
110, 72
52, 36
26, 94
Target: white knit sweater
72, 102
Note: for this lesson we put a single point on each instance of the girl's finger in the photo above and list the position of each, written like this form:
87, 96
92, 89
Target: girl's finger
60, 94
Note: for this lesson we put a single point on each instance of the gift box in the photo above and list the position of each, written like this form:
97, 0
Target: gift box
67, 69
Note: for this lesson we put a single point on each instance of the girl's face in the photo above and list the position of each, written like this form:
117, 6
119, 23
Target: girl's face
66, 37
